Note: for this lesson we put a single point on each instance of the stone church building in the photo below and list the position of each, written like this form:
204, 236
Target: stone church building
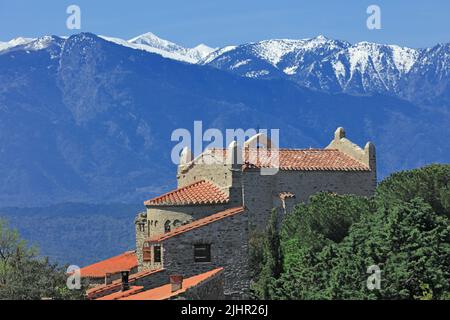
223, 196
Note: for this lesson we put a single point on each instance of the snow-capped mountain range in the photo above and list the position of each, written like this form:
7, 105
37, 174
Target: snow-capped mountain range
334, 66
151, 43
338, 66
95, 114
147, 42
89, 119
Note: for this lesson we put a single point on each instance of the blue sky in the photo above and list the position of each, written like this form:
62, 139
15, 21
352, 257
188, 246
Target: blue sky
219, 23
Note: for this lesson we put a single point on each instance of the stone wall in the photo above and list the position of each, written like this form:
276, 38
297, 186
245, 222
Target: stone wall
366, 155
150, 281
228, 238
259, 197
210, 289
261, 193
213, 167
155, 279
158, 216
141, 229
218, 173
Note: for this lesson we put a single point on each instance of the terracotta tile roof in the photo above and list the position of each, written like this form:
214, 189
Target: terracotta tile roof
197, 224
122, 294
200, 192
124, 261
164, 292
115, 285
299, 159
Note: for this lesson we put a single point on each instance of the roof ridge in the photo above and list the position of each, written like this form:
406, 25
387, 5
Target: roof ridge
164, 291
116, 283
197, 223
223, 198
130, 252
125, 260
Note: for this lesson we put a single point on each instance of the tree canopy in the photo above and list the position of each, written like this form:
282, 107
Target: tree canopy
329, 245
24, 275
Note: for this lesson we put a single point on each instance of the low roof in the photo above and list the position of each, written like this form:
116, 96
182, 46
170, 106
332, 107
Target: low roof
200, 192
122, 294
98, 290
124, 261
297, 159
165, 292
197, 224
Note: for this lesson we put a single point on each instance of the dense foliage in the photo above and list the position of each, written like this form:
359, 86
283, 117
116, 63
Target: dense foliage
24, 275
325, 247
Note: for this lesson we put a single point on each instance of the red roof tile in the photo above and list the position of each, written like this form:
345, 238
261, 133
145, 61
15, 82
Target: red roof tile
299, 159
124, 261
200, 192
197, 224
98, 290
165, 292
122, 294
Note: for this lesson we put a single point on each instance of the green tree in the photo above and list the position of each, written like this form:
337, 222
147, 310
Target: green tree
328, 244
24, 275
431, 183
309, 237
270, 265
407, 241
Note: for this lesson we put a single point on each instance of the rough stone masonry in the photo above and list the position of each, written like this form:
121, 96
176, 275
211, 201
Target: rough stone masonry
220, 202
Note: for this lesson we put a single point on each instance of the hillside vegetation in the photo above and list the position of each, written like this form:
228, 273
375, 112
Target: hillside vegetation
324, 249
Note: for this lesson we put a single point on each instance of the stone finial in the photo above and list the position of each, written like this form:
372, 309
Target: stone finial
234, 154
258, 139
369, 148
369, 151
339, 133
186, 156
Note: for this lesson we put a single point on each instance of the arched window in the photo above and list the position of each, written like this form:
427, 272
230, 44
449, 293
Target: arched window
176, 223
167, 226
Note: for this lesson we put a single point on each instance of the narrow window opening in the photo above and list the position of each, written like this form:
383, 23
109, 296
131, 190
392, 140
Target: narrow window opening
202, 253
167, 226
157, 254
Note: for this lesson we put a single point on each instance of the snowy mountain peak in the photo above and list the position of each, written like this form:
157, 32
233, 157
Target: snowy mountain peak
319, 63
200, 52
152, 40
15, 42
30, 44
332, 65
321, 37
150, 36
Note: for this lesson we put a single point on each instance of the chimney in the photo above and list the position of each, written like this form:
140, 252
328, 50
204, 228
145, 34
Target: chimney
108, 278
125, 284
176, 282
